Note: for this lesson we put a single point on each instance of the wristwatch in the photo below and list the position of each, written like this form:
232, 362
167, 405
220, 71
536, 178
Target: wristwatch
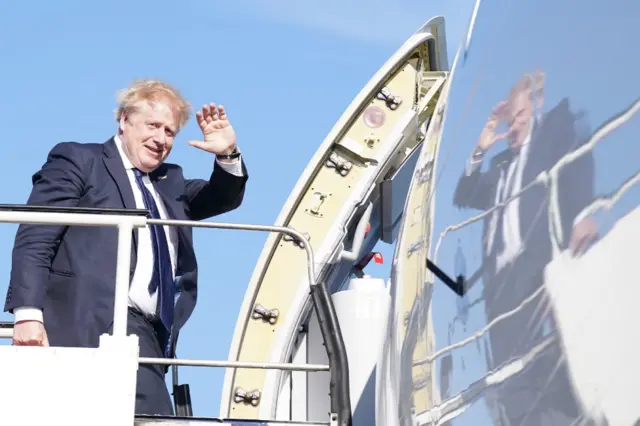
232, 156
477, 154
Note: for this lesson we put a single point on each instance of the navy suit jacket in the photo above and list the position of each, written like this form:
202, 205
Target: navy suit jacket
69, 272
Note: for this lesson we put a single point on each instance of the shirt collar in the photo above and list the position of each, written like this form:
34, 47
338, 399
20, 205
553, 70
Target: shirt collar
125, 160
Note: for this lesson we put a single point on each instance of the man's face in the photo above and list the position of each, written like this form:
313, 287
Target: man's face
147, 134
519, 115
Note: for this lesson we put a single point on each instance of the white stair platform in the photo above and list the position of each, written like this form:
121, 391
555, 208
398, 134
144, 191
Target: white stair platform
68, 386
202, 421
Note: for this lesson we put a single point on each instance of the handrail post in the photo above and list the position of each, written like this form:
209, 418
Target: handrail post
123, 263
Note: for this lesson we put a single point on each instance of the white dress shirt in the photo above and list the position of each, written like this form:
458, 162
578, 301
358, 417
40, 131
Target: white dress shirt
509, 184
139, 297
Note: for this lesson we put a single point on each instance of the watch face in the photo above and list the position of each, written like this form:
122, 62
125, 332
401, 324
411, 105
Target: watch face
234, 154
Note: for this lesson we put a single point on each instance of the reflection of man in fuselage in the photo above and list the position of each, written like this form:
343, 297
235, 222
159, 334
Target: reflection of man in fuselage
516, 241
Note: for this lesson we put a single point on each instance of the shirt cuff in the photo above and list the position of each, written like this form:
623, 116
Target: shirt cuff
27, 313
235, 167
472, 166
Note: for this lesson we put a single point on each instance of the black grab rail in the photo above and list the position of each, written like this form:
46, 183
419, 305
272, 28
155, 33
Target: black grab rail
336, 352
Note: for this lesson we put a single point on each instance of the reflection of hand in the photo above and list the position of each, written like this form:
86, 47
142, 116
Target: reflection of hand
582, 235
30, 333
488, 135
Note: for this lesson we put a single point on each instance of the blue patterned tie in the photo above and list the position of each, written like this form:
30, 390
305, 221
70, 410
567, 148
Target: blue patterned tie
162, 278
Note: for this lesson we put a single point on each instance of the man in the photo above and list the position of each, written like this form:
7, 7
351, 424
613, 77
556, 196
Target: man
63, 278
517, 243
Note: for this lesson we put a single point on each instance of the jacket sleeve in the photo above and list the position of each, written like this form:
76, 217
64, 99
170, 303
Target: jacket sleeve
575, 189
576, 178
58, 183
474, 188
222, 193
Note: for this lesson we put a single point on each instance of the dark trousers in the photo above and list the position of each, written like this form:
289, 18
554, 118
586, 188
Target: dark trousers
152, 396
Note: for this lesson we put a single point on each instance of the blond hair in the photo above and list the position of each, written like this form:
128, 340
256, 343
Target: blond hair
152, 91
532, 82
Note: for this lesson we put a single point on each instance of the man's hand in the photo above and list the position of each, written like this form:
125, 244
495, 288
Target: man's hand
582, 236
30, 333
488, 135
219, 136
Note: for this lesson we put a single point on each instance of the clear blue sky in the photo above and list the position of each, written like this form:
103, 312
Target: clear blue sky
285, 72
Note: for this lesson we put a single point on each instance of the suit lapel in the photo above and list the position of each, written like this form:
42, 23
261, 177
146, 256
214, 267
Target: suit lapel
115, 167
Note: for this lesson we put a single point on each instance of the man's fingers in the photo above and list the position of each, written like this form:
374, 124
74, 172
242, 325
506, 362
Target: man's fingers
500, 136
499, 110
580, 246
30, 333
207, 113
223, 112
29, 341
573, 245
197, 144
200, 118
214, 111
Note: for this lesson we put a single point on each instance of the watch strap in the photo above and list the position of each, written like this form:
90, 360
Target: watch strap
232, 156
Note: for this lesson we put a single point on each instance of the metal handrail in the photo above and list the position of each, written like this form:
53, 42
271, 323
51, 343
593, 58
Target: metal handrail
6, 330
126, 220
37, 215
260, 228
235, 364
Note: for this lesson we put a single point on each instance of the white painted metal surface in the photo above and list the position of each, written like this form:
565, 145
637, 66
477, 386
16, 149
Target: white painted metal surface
70, 386
363, 312
317, 383
592, 297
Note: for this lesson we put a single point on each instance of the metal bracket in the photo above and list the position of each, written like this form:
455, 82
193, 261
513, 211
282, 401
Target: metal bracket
247, 397
457, 286
333, 419
371, 141
392, 101
267, 315
358, 238
423, 174
415, 247
341, 165
295, 240
318, 199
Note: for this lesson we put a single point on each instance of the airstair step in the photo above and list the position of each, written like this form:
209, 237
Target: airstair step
200, 421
